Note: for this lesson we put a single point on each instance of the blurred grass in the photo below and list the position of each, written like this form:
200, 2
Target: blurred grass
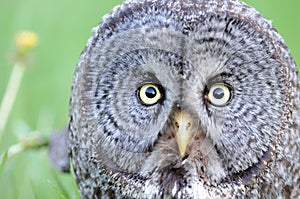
63, 28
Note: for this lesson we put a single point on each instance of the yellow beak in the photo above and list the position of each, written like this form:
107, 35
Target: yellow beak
183, 130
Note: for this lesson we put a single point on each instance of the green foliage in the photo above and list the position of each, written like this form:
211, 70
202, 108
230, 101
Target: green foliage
60, 187
2, 162
63, 28
77, 196
58, 191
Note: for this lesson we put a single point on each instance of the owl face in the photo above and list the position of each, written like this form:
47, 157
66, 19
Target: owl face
177, 105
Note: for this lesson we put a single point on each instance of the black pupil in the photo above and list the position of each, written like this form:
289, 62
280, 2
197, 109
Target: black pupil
150, 92
218, 93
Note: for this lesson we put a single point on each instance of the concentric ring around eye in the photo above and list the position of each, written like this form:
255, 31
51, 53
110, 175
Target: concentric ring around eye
219, 94
149, 94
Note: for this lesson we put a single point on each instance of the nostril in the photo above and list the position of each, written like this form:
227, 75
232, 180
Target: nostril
188, 125
176, 124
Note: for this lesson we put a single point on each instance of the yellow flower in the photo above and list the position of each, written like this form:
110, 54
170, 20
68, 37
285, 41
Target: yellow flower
25, 41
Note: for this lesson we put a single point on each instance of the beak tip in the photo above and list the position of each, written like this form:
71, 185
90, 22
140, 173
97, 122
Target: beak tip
182, 152
182, 145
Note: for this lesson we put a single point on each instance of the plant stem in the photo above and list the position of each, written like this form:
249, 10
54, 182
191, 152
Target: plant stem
32, 141
10, 95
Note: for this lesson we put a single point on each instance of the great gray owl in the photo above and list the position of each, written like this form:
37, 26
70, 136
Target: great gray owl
185, 99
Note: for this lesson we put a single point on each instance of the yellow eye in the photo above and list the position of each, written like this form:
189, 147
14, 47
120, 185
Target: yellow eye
149, 94
219, 94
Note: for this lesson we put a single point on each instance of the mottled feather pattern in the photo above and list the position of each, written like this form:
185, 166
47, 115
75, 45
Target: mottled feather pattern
247, 147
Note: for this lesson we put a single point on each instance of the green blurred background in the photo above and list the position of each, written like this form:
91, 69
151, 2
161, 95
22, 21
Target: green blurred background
63, 27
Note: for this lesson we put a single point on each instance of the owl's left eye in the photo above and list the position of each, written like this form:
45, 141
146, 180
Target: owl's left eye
150, 94
219, 94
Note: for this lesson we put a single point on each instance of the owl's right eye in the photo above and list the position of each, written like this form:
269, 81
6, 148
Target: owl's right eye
150, 94
219, 94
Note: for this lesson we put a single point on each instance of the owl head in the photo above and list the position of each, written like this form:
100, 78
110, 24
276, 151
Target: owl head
179, 99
